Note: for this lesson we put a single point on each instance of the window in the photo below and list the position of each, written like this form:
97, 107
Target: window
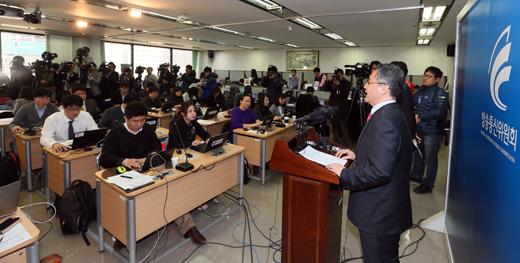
182, 58
119, 54
150, 57
30, 47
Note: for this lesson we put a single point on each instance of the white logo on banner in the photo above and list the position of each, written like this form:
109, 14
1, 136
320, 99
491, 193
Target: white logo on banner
503, 76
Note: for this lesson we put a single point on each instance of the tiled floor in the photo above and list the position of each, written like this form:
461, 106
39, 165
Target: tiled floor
264, 198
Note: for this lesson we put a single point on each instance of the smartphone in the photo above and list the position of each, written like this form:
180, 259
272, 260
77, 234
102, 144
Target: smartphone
7, 224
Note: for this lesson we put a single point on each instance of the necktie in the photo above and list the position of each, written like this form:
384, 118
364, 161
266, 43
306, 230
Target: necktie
369, 116
71, 130
82, 108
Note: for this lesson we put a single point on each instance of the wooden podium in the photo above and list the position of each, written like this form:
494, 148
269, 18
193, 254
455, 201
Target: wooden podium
312, 205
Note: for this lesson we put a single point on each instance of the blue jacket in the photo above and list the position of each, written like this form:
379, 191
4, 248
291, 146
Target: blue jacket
430, 109
211, 81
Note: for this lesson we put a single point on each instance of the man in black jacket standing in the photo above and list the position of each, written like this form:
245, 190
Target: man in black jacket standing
339, 89
431, 103
405, 100
273, 82
118, 151
379, 204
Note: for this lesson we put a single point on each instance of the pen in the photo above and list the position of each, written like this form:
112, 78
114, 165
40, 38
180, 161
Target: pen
1, 239
127, 177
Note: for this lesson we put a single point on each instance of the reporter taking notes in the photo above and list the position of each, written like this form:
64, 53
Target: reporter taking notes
242, 116
379, 203
35, 113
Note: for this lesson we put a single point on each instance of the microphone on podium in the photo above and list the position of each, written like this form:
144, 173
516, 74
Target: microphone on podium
318, 114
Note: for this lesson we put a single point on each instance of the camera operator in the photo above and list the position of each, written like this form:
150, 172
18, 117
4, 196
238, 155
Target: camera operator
94, 77
20, 76
46, 75
165, 78
55, 67
273, 82
188, 78
340, 88
150, 77
211, 81
64, 79
86, 58
128, 76
112, 78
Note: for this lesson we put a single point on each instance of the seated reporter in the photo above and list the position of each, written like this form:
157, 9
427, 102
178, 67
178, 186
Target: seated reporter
117, 98
152, 100
35, 113
278, 107
118, 151
216, 99
261, 109
89, 105
242, 116
175, 96
61, 126
25, 97
114, 116
188, 128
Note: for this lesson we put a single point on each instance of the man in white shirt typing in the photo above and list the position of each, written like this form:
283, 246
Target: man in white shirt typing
61, 126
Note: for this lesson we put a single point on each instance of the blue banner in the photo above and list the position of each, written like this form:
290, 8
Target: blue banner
483, 207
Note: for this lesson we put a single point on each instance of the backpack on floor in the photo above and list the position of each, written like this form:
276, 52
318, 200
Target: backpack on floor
9, 169
247, 171
76, 209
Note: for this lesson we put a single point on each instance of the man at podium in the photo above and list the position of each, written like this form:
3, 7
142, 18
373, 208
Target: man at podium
379, 203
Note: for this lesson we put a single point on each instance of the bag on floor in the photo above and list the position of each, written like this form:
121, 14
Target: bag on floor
9, 169
76, 209
247, 171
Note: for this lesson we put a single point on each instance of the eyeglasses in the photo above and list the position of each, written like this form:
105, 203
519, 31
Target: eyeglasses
428, 76
378, 83
74, 110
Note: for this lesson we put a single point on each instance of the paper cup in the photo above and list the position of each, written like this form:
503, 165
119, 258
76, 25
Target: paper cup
175, 161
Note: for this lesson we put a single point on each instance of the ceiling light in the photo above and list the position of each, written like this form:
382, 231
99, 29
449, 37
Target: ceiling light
266, 39
350, 44
134, 13
153, 14
226, 30
433, 13
423, 41
82, 24
423, 32
291, 45
307, 23
334, 36
265, 4
246, 47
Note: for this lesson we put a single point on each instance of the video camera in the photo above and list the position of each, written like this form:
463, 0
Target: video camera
270, 71
48, 56
162, 70
80, 53
103, 68
38, 66
361, 71
65, 67
139, 70
175, 69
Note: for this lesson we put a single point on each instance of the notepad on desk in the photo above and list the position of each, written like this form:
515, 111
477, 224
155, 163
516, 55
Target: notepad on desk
14, 237
320, 157
131, 180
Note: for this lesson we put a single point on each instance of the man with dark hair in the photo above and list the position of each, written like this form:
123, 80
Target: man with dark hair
51, 86
339, 90
379, 204
227, 81
373, 65
86, 57
187, 78
119, 96
405, 100
294, 82
165, 78
315, 100
144, 93
431, 104
152, 100
320, 78
118, 152
89, 105
46, 75
211, 81
273, 82
62, 126
114, 116
34, 114
113, 81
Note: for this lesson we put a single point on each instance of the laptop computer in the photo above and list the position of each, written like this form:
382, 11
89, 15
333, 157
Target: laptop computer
168, 107
152, 121
210, 113
86, 138
213, 143
155, 160
9, 195
268, 120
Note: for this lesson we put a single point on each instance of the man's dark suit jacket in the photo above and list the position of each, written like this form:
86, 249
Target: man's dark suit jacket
379, 185
405, 101
112, 118
116, 98
92, 108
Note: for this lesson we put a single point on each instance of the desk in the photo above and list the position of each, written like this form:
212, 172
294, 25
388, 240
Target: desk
29, 146
28, 250
5, 133
259, 147
131, 216
164, 119
216, 127
61, 169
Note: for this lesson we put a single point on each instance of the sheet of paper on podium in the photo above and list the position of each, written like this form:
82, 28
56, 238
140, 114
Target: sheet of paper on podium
15, 236
320, 157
